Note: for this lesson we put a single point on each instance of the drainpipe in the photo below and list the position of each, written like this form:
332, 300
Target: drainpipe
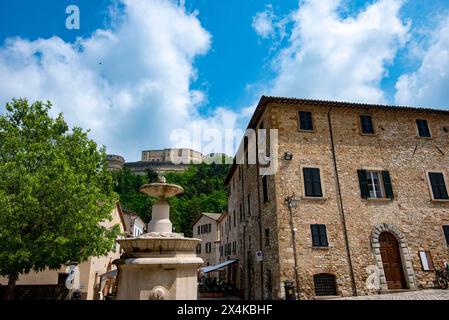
340, 203
289, 201
260, 215
245, 288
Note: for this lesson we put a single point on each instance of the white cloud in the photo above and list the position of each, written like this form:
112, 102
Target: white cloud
263, 23
330, 57
131, 85
268, 25
429, 85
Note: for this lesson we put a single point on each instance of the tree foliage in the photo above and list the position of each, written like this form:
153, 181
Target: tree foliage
55, 192
204, 191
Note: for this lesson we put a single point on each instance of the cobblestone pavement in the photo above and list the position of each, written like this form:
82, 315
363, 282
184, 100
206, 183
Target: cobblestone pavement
432, 294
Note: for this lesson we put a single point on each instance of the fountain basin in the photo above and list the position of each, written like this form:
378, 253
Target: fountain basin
161, 190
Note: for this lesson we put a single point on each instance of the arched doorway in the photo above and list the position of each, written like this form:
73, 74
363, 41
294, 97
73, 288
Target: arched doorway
391, 261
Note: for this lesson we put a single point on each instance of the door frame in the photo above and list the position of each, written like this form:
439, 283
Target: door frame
406, 260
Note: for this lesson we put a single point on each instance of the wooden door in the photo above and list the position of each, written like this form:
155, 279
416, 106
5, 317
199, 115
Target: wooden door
391, 260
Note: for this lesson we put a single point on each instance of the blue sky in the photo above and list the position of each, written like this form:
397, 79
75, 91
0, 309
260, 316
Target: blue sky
144, 74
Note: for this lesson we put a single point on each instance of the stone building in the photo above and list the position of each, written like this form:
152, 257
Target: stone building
358, 204
207, 228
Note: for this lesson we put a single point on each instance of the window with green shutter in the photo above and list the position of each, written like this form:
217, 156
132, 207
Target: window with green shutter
366, 124
312, 182
305, 121
319, 235
438, 185
423, 128
375, 184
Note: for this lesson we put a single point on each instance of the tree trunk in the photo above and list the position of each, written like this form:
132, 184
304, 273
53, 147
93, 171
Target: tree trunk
11, 287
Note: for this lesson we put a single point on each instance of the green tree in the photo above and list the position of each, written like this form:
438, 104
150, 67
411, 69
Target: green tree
55, 190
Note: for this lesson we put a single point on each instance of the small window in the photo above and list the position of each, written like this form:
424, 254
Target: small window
366, 124
312, 182
198, 248
325, 284
319, 235
426, 260
305, 121
438, 185
221, 251
423, 128
267, 237
265, 188
208, 247
199, 230
249, 205
446, 233
235, 222
375, 184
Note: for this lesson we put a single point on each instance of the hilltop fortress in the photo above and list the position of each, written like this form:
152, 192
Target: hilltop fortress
162, 161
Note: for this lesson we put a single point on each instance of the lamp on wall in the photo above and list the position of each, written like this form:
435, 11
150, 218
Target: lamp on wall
288, 156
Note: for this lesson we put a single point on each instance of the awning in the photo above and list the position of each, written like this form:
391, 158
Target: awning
217, 266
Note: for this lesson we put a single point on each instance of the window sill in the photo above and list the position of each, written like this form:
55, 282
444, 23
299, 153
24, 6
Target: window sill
439, 200
314, 198
310, 131
376, 134
425, 138
320, 247
379, 199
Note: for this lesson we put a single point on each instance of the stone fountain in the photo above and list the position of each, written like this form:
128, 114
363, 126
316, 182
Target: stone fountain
158, 265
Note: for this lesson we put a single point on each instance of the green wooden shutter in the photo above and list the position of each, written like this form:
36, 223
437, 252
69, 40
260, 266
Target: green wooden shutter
315, 235
323, 235
446, 233
308, 182
317, 192
388, 186
363, 181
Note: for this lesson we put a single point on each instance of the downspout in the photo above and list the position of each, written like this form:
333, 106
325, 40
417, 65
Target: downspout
244, 233
293, 233
340, 204
260, 215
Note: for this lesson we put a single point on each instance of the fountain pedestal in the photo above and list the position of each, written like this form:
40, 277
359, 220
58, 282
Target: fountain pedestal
158, 265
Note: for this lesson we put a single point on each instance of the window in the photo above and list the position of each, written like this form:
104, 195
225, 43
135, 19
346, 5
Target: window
234, 247
446, 233
198, 248
423, 128
319, 236
325, 284
267, 237
438, 186
208, 247
249, 205
426, 260
137, 231
235, 223
375, 184
265, 188
241, 213
199, 230
312, 183
305, 121
366, 124
221, 251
